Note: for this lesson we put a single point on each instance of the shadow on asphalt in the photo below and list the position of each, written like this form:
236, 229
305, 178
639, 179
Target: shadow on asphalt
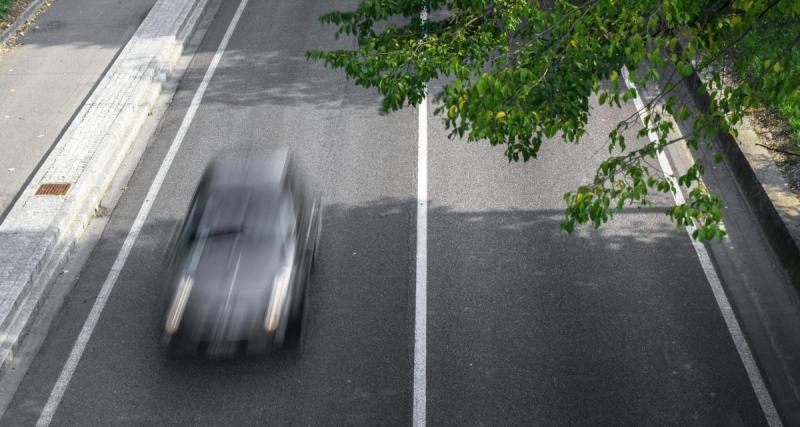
509, 293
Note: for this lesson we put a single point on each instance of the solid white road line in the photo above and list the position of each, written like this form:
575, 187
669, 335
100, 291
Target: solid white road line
421, 289
756, 381
100, 302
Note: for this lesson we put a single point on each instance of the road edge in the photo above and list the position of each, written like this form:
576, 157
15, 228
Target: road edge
766, 311
40, 231
763, 186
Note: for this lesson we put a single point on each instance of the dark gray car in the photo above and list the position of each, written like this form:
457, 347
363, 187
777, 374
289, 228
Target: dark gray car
240, 264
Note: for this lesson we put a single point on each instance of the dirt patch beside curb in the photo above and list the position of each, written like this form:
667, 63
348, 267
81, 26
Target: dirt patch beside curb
777, 137
11, 11
21, 15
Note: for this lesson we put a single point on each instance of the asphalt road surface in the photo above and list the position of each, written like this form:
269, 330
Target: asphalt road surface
525, 325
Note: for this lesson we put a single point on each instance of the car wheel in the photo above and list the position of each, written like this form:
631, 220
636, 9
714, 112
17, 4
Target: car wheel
304, 324
294, 329
317, 237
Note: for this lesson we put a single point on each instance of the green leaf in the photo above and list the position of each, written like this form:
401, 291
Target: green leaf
683, 113
652, 24
451, 112
684, 69
523, 74
629, 94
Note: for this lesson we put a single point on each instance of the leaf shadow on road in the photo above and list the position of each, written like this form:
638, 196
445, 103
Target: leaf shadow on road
266, 65
284, 78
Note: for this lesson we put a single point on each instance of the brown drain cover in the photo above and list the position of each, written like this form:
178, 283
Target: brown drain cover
53, 189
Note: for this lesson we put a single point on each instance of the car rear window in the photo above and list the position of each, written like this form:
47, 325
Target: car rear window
254, 213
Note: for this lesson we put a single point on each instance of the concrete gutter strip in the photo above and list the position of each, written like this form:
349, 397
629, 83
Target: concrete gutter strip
776, 207
40, 230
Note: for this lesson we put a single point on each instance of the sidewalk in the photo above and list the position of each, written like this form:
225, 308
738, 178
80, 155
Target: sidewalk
46, 78
88, 123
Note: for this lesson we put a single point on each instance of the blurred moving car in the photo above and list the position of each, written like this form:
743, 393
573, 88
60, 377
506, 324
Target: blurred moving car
240, 265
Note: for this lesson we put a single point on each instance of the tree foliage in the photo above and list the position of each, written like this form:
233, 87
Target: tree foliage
520, 72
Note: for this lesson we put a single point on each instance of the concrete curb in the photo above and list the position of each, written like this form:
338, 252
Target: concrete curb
40, 231
776, 207
21, 20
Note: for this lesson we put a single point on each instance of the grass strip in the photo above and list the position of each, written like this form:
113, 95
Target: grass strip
3, 5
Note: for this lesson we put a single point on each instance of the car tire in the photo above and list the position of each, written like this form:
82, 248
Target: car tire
317, 237
294, 330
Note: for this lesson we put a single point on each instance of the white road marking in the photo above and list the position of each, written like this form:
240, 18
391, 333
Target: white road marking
421, 290
78, 348
756, 381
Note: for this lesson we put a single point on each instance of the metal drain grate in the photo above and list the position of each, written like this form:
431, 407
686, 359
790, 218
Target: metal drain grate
53, 189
